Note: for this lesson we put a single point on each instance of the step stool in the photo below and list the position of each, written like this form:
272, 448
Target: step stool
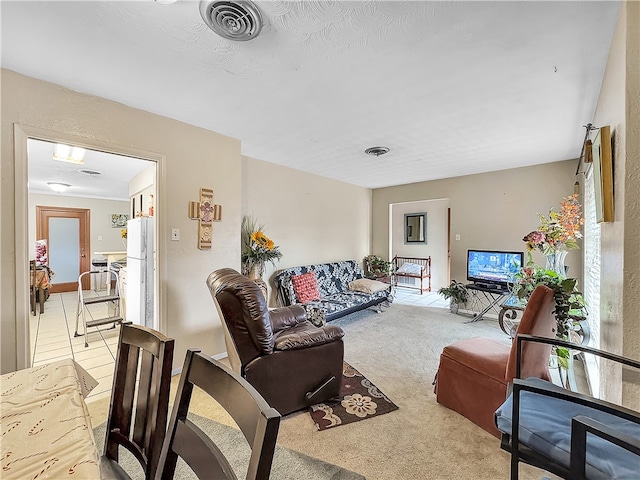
113, 309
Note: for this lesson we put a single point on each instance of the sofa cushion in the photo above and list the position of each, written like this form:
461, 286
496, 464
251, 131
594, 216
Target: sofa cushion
331, 278
305, 287
367, 285
482, 355
334, 306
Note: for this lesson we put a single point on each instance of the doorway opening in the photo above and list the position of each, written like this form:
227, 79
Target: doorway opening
436, 241
85, 190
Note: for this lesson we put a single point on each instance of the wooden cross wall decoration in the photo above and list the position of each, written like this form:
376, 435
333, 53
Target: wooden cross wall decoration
206, 213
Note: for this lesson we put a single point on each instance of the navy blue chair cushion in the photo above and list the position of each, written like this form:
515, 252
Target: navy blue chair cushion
545, 427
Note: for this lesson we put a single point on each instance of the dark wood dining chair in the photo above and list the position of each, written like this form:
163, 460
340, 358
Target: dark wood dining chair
258, 422
143, 376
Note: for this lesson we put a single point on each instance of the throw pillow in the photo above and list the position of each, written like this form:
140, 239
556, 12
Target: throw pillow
305, 287
410, 268
366, 285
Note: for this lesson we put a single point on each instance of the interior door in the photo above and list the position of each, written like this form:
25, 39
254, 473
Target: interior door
67, 231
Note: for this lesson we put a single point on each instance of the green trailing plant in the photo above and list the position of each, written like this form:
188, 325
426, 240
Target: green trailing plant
376, 266
456, 291
569, 302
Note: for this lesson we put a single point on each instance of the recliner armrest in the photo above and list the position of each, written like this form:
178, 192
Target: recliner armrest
306, 335
286, 317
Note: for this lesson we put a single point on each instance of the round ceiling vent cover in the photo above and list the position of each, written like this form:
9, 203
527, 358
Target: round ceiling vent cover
238, 20
377, 151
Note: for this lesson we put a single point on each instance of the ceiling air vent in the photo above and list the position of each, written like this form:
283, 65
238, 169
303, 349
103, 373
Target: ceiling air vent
91, 173
377, 151
238, 20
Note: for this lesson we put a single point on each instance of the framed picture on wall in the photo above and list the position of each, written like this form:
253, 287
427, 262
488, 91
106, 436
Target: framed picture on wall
603, 175
119, 220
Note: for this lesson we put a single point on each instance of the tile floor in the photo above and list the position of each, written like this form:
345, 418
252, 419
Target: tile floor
52, 335
408, 296
52, 338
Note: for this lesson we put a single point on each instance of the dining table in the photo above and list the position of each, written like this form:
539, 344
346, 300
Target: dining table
45, 427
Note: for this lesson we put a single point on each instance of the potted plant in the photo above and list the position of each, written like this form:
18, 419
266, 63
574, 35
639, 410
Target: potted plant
569, 301
457, 293
376, 266
570, 310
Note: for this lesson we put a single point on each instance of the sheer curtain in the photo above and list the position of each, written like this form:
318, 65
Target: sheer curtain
591, 275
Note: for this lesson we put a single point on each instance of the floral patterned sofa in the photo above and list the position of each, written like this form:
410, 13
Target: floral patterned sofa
341, 286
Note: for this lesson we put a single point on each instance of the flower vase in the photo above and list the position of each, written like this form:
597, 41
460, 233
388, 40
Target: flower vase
555, 262
255, 274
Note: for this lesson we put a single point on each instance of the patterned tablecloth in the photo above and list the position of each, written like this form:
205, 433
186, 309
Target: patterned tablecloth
45, 425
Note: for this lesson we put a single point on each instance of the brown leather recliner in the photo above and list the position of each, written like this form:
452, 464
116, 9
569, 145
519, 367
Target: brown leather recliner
474, 374
291, 362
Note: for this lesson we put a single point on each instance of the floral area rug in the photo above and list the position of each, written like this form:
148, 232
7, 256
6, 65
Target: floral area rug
359, 399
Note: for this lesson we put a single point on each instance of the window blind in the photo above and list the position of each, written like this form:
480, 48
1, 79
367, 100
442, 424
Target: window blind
591, 275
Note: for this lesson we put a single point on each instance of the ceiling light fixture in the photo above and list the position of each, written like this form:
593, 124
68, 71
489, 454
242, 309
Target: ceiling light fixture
65, 153
237, 20
58, 186
377, 151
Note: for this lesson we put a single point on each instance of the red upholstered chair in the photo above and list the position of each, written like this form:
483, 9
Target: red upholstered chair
473, 375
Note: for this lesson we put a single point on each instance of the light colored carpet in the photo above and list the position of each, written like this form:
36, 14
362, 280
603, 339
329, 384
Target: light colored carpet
398, 350
287, 464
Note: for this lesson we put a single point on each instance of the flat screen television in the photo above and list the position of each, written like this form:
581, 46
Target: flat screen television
493, 268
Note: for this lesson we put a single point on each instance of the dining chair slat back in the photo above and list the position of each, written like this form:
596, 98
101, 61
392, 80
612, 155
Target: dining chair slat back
142, 376
258, 422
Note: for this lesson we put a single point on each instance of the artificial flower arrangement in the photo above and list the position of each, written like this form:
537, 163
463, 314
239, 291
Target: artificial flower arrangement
257, 248
559, 230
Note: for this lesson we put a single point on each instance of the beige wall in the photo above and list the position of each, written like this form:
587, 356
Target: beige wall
619, 106
100, 226
436, 246
189, 158
313, 219
489, 210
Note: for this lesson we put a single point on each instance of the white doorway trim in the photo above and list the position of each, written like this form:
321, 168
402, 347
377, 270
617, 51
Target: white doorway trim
21, 134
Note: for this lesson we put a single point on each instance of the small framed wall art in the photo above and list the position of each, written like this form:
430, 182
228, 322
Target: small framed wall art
119, 220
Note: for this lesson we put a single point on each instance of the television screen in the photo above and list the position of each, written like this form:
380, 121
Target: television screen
493, 267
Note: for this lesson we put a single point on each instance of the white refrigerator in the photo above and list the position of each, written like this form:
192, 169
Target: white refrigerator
140, 266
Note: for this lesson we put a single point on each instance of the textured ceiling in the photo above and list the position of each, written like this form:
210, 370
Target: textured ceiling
452, 88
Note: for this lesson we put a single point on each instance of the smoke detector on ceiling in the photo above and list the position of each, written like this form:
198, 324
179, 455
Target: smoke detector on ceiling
238, 20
